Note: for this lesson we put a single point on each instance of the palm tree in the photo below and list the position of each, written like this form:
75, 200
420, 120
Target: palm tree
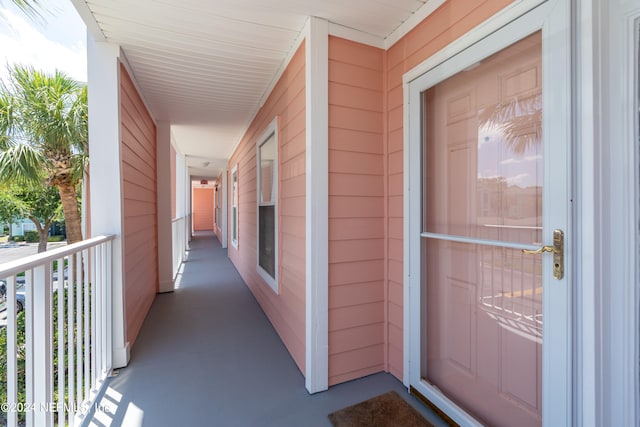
31, 8
43, 135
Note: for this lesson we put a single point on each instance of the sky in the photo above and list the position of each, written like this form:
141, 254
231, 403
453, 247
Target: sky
57, 42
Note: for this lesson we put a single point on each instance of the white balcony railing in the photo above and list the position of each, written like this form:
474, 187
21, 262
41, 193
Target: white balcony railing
179, 238
58, 348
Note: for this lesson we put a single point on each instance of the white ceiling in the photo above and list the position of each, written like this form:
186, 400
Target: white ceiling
205, 66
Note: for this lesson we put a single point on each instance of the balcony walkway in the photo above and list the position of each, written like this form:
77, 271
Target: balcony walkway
208, 356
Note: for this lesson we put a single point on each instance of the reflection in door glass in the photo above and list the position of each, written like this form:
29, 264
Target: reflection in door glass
483, 179
483, 313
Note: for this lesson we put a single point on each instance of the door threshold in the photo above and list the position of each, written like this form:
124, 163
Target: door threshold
423, 399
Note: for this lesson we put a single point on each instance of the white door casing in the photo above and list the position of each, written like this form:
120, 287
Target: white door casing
608, 337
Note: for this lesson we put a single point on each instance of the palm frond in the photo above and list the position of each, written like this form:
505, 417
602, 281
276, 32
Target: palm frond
8, 127
79, 164
518, 121
21, 163
31, 8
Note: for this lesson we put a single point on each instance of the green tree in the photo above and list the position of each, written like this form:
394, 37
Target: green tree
42, 206
11, 209
44, 135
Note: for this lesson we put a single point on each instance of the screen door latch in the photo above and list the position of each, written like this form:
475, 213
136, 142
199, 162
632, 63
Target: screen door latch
558, 253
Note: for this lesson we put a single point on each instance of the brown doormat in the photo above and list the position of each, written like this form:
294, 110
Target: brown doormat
386, 410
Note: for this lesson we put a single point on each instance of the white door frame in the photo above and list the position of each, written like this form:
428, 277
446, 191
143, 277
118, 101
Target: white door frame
553, 17
608, 311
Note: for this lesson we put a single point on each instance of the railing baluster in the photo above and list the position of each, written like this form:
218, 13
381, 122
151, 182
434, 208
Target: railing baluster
99, 308
103, 321
42, 351
28, 339
94, 308
12, 350
70, 339
108, 308
60, 321
95, 276
87, 348
79, 329
97, 341
49, 343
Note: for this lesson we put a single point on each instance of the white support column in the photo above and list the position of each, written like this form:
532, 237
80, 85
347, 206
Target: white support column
181, 195
106, 175
187, 204
163, 197
317, 201
181, 186
223, 208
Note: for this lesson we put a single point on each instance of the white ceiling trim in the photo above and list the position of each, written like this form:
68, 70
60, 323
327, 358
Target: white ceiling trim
427, 9
89, 20
357, 36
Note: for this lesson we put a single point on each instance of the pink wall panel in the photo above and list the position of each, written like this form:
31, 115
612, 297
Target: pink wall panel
449, 22
203, 209
356, 211
138, 150
286, 311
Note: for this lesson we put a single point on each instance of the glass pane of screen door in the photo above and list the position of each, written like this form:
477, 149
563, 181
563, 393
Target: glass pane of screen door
482, 181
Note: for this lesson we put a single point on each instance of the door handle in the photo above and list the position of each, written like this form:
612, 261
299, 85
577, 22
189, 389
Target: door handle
558, 253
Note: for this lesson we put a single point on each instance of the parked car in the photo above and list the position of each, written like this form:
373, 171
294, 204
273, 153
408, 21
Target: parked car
20, 296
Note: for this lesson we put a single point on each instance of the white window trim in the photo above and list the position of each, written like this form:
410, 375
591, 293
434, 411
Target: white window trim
271, 130
235, 228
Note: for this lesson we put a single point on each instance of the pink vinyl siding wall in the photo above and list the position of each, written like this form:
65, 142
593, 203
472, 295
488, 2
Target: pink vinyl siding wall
286, 311
356, 211
449, 22
138, 154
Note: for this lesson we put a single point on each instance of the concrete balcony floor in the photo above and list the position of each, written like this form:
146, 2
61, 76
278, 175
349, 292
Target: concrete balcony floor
208, 356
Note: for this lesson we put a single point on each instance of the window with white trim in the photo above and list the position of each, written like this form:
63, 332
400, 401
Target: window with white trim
267, 198
234, 206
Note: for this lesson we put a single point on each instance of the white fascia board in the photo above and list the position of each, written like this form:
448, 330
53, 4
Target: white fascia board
418, 16
89, 20
317, 198
356, 35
